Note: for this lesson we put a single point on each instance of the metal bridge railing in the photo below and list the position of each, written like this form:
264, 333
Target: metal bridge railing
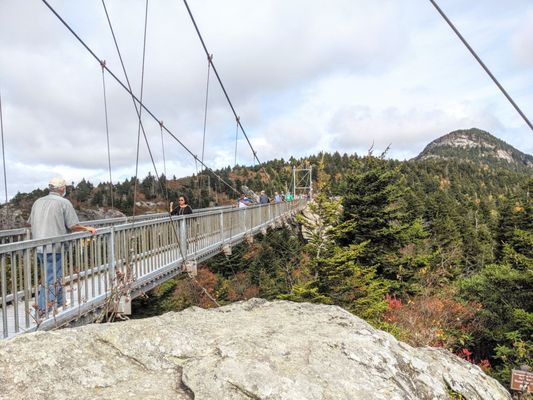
132, 257
14, 235
19, 234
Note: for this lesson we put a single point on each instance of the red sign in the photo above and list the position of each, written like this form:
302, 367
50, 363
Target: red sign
522, 381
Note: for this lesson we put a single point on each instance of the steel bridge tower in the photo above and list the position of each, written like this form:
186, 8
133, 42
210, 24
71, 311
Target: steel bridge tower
302, 182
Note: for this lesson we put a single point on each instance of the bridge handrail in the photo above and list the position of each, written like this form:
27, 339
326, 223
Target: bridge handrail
17, 234
15, 246
129, 219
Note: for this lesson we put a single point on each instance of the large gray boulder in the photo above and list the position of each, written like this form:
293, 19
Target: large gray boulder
248, 350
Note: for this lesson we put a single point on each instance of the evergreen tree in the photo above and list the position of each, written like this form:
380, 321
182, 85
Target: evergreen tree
375, 213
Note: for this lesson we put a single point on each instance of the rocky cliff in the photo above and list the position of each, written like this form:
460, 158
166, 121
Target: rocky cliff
477, 146
248, 350
12, 217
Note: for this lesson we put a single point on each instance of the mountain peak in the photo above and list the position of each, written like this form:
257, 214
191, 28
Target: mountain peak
476, 145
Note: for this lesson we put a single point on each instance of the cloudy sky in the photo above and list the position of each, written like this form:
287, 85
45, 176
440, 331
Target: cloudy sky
303, 75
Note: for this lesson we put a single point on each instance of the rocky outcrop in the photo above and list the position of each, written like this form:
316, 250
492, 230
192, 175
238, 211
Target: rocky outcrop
11, 217
475, 145
248, 350
89, 214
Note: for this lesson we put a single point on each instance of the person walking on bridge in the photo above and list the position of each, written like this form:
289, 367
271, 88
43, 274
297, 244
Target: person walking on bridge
53, 215
263, 198
183, 207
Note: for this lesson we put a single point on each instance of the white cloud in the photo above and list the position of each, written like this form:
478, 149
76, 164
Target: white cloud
522, 41
304, 76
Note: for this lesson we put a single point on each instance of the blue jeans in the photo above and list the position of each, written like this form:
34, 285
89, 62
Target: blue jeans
54, 289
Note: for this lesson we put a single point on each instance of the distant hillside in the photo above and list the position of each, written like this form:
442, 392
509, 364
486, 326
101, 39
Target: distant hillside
490, 162
477, 146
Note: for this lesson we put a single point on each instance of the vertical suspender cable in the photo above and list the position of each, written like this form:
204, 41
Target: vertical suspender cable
164, 161
198, 191
140, 110
102, 63
209, 59
482, 64
236, 137
3, 148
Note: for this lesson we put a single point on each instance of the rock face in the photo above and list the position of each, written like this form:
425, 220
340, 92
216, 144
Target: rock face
477, 146
11, 217
99, 213
248, 350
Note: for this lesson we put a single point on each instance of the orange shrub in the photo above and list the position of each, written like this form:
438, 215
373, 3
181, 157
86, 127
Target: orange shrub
434, 320
240, 287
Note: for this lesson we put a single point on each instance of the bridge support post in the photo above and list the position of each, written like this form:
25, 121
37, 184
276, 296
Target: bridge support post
191, 267
183, 238
111, 255
242, 220
124, 305
222, 226
226, 249
249, 238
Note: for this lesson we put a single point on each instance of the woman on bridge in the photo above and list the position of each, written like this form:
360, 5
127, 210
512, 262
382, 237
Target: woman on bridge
183, 207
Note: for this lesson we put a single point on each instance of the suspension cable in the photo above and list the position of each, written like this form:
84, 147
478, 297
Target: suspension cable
102, 63
136, 100
141, 98
3, 147
219, 80
443, 15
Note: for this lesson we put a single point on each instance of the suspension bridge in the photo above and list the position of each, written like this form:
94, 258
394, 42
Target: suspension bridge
102, 273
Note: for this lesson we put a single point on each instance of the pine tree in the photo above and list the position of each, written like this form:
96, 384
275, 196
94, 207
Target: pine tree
375, 212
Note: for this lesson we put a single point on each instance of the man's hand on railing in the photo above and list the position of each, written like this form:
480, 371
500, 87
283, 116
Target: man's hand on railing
81, 228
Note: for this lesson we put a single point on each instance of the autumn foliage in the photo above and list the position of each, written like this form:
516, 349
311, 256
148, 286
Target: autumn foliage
433, 320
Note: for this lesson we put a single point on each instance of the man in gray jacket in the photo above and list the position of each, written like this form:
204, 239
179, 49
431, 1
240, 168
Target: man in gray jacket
53, 215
